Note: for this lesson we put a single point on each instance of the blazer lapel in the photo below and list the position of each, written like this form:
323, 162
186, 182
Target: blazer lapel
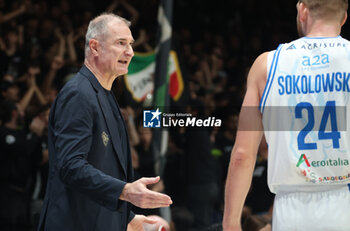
112, 125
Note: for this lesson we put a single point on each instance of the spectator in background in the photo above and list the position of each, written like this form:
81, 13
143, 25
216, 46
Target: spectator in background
222, 147
41, 172
48, 88
9, 91
8, 16
260, 200
202, 185
18, 160
11, 49
146, 158
134, 14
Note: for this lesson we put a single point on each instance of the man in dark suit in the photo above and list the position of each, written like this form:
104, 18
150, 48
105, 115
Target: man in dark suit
90, 161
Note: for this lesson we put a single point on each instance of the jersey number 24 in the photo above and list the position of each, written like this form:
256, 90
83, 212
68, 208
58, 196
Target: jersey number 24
328, 113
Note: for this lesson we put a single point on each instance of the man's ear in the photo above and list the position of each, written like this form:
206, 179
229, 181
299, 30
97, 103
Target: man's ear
94, 46
303, 12
344, 19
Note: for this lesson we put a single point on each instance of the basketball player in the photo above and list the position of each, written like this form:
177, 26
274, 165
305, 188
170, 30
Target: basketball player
300, 94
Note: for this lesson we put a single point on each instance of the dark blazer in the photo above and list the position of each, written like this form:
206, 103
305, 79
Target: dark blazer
88, 169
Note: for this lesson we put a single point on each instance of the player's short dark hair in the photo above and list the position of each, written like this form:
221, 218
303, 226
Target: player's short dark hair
326, 8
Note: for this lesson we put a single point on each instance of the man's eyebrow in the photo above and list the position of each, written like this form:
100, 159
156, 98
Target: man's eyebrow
124, 39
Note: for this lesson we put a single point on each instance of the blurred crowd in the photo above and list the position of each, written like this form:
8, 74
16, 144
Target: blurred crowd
42, 47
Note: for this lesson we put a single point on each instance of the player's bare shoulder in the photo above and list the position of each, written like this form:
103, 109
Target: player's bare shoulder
258, 73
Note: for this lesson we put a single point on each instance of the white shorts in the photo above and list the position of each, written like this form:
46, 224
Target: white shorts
314, 211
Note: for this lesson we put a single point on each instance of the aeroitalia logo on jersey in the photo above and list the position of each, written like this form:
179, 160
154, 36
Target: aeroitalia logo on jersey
302, 159
322, 163
313, 175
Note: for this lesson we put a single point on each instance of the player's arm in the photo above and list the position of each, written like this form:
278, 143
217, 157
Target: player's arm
244, 152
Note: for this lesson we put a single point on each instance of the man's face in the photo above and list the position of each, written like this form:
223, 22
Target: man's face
116, 52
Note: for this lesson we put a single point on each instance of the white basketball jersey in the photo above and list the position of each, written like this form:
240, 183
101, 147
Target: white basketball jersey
306, 111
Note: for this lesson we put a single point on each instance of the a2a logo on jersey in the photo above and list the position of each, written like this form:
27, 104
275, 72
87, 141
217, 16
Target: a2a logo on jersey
316, 60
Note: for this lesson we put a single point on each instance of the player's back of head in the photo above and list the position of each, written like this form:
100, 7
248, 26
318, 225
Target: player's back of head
327, 9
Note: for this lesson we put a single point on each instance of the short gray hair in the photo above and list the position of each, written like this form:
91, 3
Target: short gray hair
98, 27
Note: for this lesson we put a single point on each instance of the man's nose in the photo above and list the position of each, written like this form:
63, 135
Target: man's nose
129, 51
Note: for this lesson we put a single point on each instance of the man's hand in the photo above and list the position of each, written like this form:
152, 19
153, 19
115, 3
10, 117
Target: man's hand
136, 224
138, 194
57, 63
33, 70
37, 126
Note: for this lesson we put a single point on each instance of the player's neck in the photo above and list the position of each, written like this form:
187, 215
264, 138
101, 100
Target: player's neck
321, 29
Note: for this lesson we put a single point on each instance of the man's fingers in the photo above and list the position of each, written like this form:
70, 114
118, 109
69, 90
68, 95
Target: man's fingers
159, 197
149, 180
153, 205
156, 200
149, 220
145, 198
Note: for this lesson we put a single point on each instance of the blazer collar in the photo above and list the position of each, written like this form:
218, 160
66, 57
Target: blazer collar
91, 77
